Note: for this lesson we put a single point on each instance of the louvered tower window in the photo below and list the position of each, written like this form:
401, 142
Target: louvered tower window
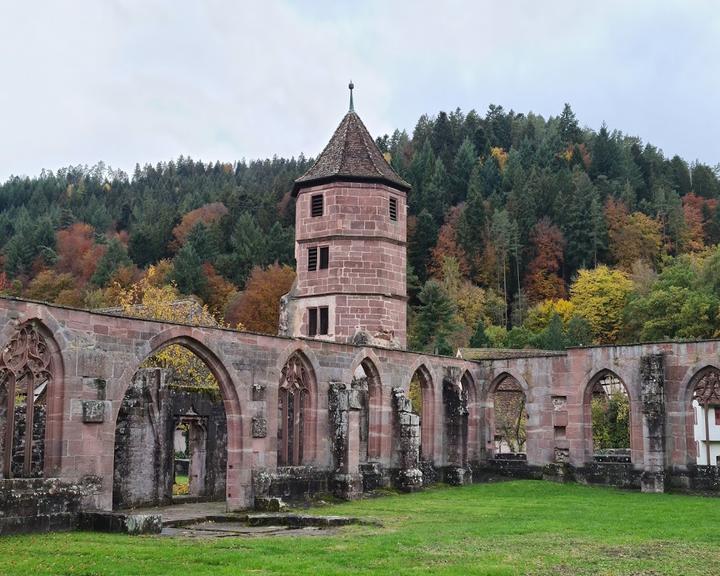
316, 205
393, 208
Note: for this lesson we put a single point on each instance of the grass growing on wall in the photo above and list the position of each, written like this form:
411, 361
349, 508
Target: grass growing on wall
521, 527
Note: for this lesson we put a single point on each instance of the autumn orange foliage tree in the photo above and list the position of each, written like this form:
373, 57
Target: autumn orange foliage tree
447, 246
543, 280
218, 291
258, 307
694, 210
77, 252
206, 214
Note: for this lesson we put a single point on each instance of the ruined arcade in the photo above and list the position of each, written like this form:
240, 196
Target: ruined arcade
326, 406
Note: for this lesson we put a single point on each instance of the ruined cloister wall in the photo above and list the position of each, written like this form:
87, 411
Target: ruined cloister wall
99, 354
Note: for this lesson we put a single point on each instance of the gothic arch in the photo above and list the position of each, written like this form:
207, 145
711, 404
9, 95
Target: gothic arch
429, 416
635, 416
186, 337
704, 385
183, 336
504, 375
511, 382
31, 362
297, 411
378, 437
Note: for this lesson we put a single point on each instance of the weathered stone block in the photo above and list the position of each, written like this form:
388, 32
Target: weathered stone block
122, 523
259, 427
269, 504
93, 411
258, 391
562, 455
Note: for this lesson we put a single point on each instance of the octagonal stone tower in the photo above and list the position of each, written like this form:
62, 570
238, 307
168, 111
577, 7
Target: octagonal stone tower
350, 245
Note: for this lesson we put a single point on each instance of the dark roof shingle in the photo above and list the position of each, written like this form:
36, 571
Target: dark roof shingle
351, 155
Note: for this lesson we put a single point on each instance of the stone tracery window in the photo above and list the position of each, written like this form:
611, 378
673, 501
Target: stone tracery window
292, 407
707, 389
25, 374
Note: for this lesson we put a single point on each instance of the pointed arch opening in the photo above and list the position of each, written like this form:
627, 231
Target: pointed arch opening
174, 429
609, 419
296, 412
422, 395
31, 403
366, 381
507, 418
705, 418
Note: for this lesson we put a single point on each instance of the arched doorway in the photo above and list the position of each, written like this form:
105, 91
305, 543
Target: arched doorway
31, 401
171, 434
296, 412
366, 383
507, 419
705, 386
608, 411
422, 396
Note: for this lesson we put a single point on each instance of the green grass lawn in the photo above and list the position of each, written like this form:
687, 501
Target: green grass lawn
521, 527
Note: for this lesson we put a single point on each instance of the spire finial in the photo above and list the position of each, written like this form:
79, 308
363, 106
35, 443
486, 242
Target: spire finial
351, 86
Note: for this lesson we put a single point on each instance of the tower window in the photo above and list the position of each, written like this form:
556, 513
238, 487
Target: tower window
318, 321
316, 205
324, 253
312, 321
393, 208
324, 257
312, 259
323, 320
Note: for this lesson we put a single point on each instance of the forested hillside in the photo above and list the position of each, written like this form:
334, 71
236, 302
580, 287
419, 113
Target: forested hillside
522, 232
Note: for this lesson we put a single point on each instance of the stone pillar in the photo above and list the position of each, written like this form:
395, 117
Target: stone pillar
344, 410
198, 457
456, 413
407, 424
652, 386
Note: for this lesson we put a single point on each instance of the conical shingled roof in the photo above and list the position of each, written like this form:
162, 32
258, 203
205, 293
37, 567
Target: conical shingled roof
351, 155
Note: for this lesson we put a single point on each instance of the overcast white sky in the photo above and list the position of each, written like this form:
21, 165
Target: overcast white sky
126, 81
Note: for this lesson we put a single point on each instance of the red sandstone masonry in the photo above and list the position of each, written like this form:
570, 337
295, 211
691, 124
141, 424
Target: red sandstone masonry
93, 346
367, 259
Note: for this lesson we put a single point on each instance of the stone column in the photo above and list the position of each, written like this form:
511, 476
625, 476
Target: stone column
652, 390
344, 411
407, 426
456, 413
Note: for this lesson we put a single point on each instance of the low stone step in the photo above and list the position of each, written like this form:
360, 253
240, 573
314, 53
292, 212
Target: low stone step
120, 522
306, 520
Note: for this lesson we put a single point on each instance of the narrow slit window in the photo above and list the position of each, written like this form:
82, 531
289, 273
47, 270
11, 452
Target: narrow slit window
312, 321
316, 205
312, 258
324, 321
393, 208
324, 257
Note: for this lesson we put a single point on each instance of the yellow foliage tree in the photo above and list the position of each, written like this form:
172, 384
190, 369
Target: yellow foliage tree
500, 156
472, 302
540, 315
148, 298
600, 296
633, 236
